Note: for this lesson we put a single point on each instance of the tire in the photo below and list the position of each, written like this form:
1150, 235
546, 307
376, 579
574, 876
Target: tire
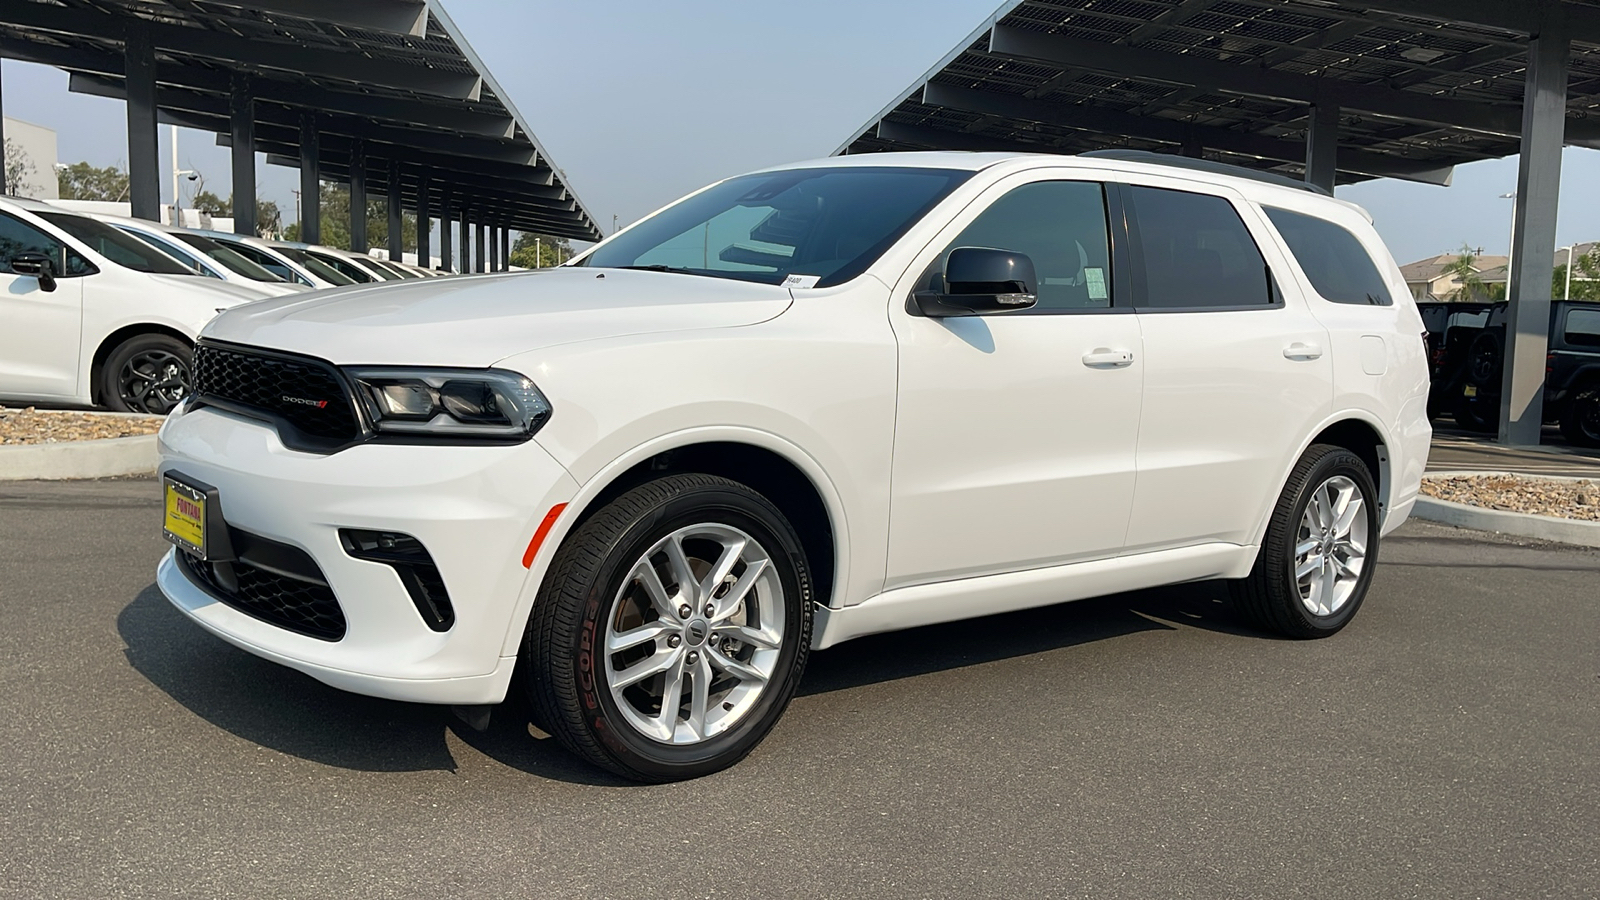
597, 593
1271, 597
1484, 357
1580, 422
147, 373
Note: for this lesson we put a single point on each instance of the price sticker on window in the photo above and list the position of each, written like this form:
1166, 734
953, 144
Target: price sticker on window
1096, 280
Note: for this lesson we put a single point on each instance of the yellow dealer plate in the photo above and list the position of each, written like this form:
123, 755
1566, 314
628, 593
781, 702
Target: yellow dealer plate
185, 523
1470, 390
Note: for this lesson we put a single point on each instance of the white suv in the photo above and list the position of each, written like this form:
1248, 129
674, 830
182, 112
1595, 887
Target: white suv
794, 408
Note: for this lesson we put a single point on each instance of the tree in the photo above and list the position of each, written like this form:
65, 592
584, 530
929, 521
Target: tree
81, 181
1469, 284
19, 168
538, 251
1585, 277
335, 220
269, 221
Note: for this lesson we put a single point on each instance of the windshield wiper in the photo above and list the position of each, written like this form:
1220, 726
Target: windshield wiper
657, 267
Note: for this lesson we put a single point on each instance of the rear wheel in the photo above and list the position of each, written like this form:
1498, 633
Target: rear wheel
1580, 424
147, 373
1315, 565
672, 629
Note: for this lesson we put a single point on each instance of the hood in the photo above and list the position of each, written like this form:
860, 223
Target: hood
478, 320
224, 294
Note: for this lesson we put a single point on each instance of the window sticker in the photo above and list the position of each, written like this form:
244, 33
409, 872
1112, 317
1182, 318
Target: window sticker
801, 281
1096, 279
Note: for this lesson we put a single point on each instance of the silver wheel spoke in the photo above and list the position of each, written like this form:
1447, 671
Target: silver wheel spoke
699, 697
633, 637
1347, 517
682, 572
671, 699
651, 665
753, 636
644, 572
731, 553
739, 670
1303, 548
741, 588
1313, 563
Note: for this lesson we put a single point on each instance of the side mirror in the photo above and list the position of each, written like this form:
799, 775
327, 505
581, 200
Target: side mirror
35, 265
980, 281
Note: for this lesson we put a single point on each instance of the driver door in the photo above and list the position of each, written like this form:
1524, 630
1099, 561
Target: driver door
1016, 433
39, 329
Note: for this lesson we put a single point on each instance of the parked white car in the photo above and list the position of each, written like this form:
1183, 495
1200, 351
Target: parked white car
205, 256
295, 267
91, 315
794, 408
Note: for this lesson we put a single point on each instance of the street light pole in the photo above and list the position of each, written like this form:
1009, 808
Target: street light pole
1511, 243
1566, 294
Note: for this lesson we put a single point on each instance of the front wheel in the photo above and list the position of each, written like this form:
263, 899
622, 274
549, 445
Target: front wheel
1580, 424
671, 630
1315, 565
147, 373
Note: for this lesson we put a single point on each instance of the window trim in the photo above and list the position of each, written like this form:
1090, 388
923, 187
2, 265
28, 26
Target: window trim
66, 246
1116, 239
1135, 244
1388, 300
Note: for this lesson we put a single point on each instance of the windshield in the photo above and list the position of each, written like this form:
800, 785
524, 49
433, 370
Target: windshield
315, 266
176, 251
233, 261
349, 269
827, 225
116, 246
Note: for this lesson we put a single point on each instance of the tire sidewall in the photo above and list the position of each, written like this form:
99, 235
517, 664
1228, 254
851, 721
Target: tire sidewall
111, 372
1336, 463
599, 710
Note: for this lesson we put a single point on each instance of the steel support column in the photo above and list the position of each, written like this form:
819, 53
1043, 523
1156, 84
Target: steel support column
3, 190
1322, 146
1544, 117
310, 181
505, 249
144, 172
477, 261
424, 223
445, 246
465, 263
242, 130
358, 197
397, 240
496, 260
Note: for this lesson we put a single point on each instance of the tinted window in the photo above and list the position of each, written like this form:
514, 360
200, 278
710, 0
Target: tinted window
345, 267
114, 245
315, 266
1333, 260
17, 236
172, 249
1197, 252
269, 262
1583, 327
829, 224
1061, 226
232, 260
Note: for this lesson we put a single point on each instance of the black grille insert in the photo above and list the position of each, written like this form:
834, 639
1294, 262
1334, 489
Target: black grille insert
294, 603
306, 395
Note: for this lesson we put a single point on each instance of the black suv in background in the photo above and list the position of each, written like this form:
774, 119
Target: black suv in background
1466, 344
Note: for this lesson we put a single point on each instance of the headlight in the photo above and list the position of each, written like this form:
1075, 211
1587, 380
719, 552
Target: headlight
490, 403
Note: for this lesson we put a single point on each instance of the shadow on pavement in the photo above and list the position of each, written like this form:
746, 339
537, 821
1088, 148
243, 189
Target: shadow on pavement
281, 709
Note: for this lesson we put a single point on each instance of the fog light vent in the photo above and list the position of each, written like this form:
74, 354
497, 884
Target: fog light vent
406, 555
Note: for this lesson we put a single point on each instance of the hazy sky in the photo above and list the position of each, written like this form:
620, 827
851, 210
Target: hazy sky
641, 102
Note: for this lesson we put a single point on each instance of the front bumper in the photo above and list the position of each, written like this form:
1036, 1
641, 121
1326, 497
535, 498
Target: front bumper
473, 507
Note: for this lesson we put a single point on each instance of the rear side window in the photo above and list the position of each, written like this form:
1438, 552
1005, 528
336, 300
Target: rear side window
1332, 258
1197, 253
1583, 327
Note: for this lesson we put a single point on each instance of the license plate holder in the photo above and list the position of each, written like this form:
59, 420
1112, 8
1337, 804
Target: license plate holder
1470, 390
192, 518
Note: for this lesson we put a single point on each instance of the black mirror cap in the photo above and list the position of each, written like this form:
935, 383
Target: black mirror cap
981, 270
35, 265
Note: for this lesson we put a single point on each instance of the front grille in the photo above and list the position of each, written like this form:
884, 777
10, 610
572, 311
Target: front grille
304, 393
300, 606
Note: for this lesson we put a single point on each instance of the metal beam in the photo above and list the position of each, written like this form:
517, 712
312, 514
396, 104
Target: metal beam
478, 260
424, 222
445, 245
396, 238
464, 264
310, 182
242, 117
408, 17
1105, 122
144, 173
1533, 239
233, 50
358, 197
1322, 146
1525, 16
1249, 80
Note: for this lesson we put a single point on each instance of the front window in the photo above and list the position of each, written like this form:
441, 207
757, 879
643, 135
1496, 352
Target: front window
823, 226
116, 246
229, 258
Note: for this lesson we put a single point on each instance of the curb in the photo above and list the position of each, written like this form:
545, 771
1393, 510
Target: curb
79, 459
1544, 528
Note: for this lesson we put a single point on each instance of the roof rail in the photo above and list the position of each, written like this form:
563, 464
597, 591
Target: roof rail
1206, 165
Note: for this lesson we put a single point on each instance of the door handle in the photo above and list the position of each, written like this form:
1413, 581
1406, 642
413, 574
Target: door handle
1102, 358
1300, 350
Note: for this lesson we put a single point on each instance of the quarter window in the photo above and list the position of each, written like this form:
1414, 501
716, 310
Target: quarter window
1583, 327
1197, 253
1334, 261
1061, 226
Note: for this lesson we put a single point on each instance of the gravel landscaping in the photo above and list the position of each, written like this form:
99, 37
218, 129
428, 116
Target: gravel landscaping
1520, 493
32, 426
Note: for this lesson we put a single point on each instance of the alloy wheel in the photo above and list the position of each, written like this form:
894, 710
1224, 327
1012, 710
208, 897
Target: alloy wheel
1331, 546
153, 381
694, 634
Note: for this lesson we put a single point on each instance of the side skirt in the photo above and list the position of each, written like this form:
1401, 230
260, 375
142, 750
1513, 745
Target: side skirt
949, 601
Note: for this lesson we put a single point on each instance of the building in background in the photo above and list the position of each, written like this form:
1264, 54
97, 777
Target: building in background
30, 156
1436, 278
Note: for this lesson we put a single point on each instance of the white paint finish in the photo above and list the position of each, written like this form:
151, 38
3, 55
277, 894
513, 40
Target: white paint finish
1019, 451
42, 358
1374, 355
476, 320
967, 598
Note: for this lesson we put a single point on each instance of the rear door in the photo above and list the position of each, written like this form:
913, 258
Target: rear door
1237, 369
39, 329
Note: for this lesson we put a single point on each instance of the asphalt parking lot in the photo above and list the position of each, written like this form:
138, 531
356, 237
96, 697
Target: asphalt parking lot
1143, 745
